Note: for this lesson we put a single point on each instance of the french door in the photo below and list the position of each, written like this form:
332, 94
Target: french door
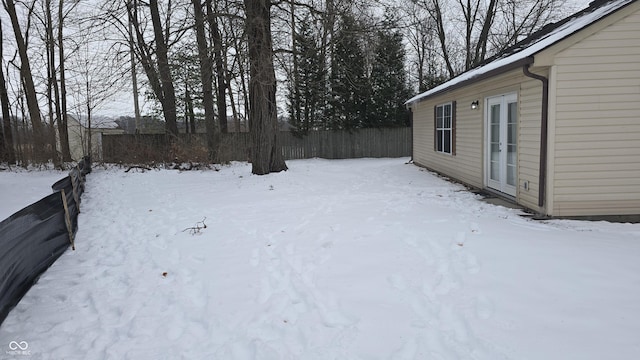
502, 143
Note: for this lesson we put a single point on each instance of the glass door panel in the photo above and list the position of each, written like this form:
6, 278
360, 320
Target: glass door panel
512, 142
494, 142
502, 143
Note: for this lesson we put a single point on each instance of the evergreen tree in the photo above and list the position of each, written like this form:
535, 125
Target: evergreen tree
306, 85
388, 82
348, 80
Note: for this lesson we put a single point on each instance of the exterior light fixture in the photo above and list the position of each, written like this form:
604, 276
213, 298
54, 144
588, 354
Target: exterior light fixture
475, 104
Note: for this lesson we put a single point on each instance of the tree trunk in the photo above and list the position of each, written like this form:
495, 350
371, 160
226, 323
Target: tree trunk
242, 86
134, 75
62, 128
53, 93
481, 46
190, 114
442, 35
27, 83
206, 76
266, 155
164, 71
7, 151
216, 39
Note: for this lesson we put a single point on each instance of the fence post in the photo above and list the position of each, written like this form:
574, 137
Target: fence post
67, 219
74, 175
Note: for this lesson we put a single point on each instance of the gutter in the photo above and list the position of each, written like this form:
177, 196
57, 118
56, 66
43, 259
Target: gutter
525, 61
544, 124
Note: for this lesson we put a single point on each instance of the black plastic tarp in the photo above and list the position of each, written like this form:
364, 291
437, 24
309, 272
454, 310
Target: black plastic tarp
34, 237
30, 241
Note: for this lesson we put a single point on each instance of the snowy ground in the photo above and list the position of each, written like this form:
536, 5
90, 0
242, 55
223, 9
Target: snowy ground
350, 259
20, 188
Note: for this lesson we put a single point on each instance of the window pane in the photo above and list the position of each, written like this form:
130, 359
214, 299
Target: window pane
447, 110
495, 171
512, 135
495, 132
447, 122
495, 114
511, 155
495, 151
511, 175
439, 123
439, 139
447, 141
439, 112
513, 112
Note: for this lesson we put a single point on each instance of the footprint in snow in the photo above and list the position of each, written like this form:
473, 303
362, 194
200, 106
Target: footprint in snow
444, 285
398, 282
452, 323
265, 290
175, 325
289, 249
484, 307
408, 351
471, 262
255, 258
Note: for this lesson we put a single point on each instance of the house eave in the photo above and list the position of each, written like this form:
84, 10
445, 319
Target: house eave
517, 64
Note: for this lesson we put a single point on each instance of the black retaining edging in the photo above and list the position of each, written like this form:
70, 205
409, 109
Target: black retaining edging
33, 238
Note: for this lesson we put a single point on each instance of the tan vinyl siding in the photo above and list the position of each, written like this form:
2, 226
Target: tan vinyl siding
468, 163
597, 128
529, 141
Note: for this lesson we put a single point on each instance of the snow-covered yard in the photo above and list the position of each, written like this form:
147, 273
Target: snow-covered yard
20, 188
349, 259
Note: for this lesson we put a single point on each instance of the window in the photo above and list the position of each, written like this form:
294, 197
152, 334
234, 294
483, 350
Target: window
444, 141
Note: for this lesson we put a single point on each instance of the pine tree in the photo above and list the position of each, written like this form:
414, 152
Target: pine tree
305, 89
388, 82
349, 84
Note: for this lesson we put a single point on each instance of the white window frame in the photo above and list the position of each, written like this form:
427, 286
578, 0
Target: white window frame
444, 129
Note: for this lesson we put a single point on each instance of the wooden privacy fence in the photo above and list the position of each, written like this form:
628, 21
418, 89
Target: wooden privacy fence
144, 148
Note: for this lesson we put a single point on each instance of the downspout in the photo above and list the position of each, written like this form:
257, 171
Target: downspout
411, 130
543, 131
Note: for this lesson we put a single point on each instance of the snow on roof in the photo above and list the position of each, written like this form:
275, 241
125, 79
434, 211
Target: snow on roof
532, 45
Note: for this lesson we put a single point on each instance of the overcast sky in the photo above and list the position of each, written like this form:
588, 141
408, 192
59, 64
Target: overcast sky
123, 103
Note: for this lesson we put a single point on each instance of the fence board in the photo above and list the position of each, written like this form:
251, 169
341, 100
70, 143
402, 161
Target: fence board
145, 148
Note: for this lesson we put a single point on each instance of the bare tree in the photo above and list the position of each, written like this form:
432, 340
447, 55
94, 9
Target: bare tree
217, 41
53, 91
134, 75
95, 76
237, 71
7, 152
206, 76
62, 126
27, 79
521, 18
487, 26
155, 60
266, 156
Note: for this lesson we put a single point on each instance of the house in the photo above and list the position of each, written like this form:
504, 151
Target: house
78, 131
552, 123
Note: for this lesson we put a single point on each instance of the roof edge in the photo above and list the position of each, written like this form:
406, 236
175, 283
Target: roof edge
522, 53
482, 76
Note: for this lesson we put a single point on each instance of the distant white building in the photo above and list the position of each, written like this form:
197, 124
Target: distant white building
79, 132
